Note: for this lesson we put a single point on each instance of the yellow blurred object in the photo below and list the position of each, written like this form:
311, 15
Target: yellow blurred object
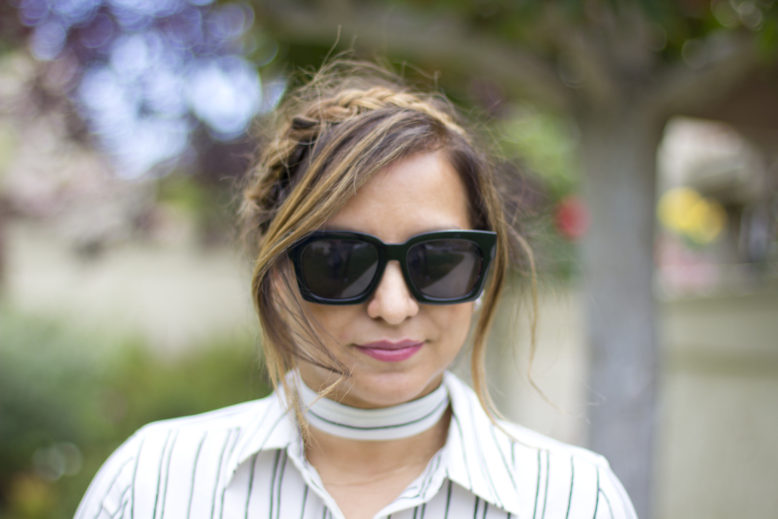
687, 212
31, 497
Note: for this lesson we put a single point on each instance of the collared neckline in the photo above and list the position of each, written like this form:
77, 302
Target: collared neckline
272, 428
468, 458
478, 451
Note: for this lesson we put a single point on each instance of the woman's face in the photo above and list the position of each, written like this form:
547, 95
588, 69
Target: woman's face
419, 194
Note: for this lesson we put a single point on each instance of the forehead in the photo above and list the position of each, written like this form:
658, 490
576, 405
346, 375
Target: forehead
416, 194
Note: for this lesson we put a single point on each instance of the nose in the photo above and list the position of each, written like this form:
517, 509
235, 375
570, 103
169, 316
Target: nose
392, 301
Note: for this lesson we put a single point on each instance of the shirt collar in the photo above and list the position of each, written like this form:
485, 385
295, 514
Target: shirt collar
476, 455
273, 427
479, 452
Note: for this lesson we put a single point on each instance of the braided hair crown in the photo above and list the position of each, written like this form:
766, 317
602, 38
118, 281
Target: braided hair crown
340, 93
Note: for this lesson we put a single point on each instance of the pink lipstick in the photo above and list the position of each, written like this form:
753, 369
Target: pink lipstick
389, 351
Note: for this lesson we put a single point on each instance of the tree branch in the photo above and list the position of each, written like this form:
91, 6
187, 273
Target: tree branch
582, 58
705, 75
429, 38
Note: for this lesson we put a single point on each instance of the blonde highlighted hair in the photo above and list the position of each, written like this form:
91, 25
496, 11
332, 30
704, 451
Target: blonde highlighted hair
325, 140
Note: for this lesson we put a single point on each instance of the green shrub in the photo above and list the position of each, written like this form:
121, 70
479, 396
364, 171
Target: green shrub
68, 398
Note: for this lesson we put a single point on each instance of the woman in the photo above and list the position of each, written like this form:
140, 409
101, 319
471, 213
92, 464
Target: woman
379, 231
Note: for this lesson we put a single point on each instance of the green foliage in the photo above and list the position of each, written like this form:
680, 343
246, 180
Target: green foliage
768, 39
68, 399
183, 193
45, 368
208, 204
546, 143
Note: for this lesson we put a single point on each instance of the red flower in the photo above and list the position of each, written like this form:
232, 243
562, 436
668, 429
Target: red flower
571, 217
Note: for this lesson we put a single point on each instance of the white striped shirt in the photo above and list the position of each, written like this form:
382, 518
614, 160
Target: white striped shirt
248, 461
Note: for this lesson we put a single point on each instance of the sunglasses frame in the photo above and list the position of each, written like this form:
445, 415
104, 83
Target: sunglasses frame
485, 241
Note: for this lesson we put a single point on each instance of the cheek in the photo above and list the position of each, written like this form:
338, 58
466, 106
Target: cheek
323, 341
331, 322
453, 324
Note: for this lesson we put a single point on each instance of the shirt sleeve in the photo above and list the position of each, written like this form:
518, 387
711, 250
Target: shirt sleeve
613, 502
110, 492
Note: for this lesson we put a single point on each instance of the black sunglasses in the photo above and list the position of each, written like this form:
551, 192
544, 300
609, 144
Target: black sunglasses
343, 268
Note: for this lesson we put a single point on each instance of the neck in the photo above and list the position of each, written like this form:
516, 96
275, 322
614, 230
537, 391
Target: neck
366, 457
364, 443
365, 476
404, 420
346, 461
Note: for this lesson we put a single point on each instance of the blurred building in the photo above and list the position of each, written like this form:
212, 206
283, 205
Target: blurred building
718, 207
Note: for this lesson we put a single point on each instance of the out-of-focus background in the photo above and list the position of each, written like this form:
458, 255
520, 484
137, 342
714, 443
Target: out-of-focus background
640, 139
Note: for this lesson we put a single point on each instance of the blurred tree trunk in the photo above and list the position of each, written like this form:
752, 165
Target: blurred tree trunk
618, 153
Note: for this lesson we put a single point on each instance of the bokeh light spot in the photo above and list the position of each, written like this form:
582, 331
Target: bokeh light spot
75, 11
33, 12
226, 94
48, 40
98, 33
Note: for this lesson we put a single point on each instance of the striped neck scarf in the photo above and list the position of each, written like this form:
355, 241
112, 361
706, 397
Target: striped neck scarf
387, 423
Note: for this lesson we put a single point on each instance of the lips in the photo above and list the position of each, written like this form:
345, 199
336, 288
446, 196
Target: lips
391, 351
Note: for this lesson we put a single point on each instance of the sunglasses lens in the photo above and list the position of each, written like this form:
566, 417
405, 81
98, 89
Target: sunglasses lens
338, 268
446, 268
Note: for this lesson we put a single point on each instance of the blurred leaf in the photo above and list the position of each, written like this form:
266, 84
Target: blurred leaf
547, 143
